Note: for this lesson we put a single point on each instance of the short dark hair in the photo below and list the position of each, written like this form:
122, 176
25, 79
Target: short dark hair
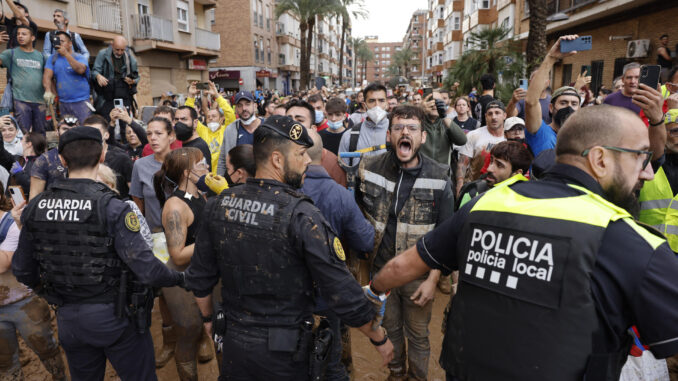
163, 110
172, 171
406, 111
61, 32
515, 153
38, 142
336, 105
374, 86
265, 142
25, 27
167, 123
242, 156
301, 103
81, 154
664, 35
95, 119
315, 98
194, 114
487, 81
392, 96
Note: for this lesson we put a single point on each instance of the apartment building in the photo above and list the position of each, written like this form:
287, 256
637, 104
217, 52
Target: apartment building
453, 36
435, 51
377, 69
415, 40
172, 39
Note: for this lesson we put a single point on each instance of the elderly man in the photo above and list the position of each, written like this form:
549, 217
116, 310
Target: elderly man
61, 22
114, 76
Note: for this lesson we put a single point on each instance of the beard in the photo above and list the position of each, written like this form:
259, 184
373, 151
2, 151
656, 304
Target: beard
293, 179
623, 198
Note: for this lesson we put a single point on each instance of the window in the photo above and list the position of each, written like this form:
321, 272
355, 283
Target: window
483, 4
142, 7
261, 49
596, 75
527, 8
456, 21
254, 11
268, 50
260, 11
256, 49
268, 18
619, 66
567, 75
182, 16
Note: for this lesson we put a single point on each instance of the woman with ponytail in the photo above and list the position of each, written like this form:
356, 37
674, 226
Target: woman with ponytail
182, 205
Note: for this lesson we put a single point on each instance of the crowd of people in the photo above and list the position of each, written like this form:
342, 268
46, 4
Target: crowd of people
242, 216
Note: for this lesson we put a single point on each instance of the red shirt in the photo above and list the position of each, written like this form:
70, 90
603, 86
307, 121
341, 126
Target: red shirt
148, 151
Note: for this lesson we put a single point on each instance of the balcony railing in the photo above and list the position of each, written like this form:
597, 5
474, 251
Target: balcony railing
99, 14
154, 28
207, 39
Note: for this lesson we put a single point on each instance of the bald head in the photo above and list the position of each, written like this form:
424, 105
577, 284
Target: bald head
315, 152
602, 125
119, 45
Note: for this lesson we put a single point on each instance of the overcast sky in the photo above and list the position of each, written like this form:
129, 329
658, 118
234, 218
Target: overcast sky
387, 19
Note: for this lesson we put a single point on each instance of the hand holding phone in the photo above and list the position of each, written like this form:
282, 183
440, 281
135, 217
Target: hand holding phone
17, 194
523, 83
578, 44
649, 75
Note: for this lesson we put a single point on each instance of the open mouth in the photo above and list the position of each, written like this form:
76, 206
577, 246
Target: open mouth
404, 147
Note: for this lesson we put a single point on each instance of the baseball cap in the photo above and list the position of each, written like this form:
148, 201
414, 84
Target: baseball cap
565, 90
495, 104
288, 128
79, 133
244, 95
513, 121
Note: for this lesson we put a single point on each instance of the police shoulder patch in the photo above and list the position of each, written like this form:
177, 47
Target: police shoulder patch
338, 249
132, 222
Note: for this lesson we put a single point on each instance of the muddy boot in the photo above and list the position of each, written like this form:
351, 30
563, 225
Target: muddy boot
205, 346
188, 371
397, 375
55, 366
444, 284
169, 340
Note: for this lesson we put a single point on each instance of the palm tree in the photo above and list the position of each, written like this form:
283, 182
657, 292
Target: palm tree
403, 59
536, 39
362, 53
307, 11
357, 12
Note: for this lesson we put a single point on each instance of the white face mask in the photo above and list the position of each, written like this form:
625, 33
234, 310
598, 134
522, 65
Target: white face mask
376, 114
249, 121
213, 126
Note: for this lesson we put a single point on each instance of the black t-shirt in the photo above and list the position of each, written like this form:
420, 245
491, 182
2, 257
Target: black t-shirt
134, 153
118, 160
202, 146
469, 124
481, 107
331, 140
11, 24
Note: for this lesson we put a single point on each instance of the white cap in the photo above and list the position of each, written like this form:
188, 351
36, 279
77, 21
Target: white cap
513, 121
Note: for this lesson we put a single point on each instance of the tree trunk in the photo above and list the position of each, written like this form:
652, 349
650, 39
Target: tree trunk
309, 51
341, 52
536, 40
304, 60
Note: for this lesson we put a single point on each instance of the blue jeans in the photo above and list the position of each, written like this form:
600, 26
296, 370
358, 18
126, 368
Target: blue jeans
91, 333
30, 116
77, 109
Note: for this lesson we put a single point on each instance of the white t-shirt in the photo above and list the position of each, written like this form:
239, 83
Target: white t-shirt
479, 140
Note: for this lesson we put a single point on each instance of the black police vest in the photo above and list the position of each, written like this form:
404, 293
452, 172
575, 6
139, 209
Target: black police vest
78, 262
524, 309
265, 280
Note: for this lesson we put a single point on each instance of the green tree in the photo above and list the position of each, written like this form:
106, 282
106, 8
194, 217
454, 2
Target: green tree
356, 11
489, 52
362, 53
307, 11
403, 59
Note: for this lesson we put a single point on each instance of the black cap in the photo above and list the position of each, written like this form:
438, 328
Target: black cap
79, 133
495, 104
289, 128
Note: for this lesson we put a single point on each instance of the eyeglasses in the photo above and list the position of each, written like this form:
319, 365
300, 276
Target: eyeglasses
410, 127
646, 161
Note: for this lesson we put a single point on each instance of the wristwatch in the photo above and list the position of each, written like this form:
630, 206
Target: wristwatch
383, 341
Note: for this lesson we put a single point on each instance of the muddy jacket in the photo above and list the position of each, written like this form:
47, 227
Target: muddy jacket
430, 200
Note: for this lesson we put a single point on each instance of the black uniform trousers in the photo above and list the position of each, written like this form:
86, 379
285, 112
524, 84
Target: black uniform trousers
90, 334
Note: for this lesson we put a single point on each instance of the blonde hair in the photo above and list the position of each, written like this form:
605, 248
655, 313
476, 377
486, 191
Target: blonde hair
108, 177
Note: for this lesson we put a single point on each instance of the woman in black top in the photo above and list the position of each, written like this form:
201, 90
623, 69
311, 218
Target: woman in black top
34, 144
463, 118
182, 204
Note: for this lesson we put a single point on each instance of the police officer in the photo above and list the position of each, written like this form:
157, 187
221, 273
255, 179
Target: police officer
553, 273
270, 245
76, 247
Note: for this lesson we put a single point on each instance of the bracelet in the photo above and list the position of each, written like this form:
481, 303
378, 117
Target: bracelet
206, 319
661, 121
383, 341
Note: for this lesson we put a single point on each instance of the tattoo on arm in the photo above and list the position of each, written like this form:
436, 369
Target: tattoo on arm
175, 232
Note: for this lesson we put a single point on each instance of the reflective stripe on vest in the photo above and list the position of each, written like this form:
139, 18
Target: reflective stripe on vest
659, 207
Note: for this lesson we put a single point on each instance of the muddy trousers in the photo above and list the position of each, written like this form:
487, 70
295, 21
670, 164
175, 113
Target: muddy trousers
91, 333
404, 319
187, 325
31, 317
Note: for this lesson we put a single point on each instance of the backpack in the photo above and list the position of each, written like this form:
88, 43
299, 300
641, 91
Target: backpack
76, 47
353, 142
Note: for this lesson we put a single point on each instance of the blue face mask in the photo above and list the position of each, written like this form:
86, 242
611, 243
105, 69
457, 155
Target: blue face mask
319, 116
335, 125
201, 185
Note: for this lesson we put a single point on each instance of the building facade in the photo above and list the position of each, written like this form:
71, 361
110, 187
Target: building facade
171, 39
435, 37
415, 40
378, 69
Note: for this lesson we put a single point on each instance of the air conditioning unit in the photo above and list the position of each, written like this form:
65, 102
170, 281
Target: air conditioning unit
638, 49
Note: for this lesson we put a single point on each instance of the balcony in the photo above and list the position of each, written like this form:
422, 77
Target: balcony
286, 37
101, 15
207, 39
207, 4
149, 27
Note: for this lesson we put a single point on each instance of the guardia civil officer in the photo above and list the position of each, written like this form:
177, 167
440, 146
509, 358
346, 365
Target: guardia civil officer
76, 248
269, 245
553, 273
